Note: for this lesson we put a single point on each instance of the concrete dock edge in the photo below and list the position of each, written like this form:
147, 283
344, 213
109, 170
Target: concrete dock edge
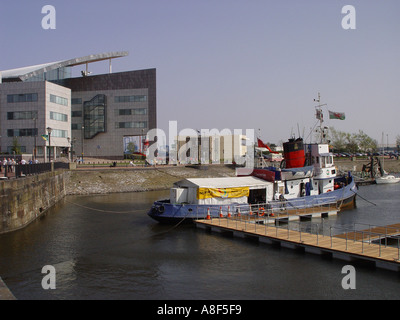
5, 293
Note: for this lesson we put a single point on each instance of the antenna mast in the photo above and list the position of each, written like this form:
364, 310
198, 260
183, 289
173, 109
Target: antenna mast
320, 116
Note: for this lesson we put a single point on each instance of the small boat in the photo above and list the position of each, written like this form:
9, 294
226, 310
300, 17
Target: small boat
387, 179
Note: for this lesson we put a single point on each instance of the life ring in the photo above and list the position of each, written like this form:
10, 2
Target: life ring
161, 209
329, 190
262, 210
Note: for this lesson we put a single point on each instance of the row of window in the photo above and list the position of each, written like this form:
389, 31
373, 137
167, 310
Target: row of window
30, 115
118, 125
118, 112
135, 98
22, 115
133, 124
26, 97
130, 112
32, 132
33, 97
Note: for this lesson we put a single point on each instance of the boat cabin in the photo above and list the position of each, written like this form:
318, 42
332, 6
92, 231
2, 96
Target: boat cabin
222, 191
325, 171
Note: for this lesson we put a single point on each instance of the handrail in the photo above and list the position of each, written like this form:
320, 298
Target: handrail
363, 240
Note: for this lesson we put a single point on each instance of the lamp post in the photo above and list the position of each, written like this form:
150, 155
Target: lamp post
83, 132
71, 142
49, 130
35, 135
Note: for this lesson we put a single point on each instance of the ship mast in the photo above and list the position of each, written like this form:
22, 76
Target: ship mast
320, 116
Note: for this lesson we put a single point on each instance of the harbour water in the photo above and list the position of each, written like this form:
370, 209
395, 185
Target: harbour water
106, 247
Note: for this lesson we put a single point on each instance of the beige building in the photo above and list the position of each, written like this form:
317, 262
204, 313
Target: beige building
211, 149
28, 111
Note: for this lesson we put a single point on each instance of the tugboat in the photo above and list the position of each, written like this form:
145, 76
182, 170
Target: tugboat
306, 178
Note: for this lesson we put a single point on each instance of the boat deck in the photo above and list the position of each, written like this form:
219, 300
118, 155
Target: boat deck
341, 246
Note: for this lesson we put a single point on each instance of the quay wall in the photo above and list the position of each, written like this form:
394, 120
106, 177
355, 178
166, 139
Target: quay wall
113, 180
23, 200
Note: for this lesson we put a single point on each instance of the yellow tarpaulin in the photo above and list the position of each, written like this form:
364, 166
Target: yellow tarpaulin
205, 193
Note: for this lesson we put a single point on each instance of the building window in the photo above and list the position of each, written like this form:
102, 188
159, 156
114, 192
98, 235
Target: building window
76, 101
58, 116
134, 124
26, 97
59, 100
136, 98
59, 133
22, 115
76, 126
129, 112
31, 132
76, 114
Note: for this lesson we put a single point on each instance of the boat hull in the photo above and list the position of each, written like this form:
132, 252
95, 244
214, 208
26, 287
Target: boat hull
165, 212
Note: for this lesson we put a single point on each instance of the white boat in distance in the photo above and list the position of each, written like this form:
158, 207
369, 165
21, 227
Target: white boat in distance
387, 179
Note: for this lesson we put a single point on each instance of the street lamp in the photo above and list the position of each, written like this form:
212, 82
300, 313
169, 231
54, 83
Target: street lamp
82, 133
71, 142
49, 130
35, 134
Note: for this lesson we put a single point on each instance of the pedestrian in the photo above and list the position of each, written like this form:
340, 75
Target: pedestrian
9, 163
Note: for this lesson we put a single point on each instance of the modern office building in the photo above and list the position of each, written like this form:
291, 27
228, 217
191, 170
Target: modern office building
88, 115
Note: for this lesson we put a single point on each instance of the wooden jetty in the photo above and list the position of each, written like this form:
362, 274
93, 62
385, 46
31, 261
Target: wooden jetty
345, 246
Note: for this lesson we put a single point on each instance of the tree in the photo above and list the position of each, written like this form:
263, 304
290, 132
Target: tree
352, 142
366, 143
16, 148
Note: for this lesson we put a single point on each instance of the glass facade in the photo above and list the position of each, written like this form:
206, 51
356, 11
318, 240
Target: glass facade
94, 116
53, 75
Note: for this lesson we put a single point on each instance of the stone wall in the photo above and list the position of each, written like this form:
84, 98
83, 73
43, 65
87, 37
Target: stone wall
23, 200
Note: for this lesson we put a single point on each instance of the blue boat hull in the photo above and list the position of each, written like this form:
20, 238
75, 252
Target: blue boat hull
165, 212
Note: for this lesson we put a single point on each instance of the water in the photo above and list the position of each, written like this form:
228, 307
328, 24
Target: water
106, 247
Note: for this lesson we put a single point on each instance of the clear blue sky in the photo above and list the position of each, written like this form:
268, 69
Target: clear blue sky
231, 63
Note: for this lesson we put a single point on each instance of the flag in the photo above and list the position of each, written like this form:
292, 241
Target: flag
263, 145
337, 115
45, 137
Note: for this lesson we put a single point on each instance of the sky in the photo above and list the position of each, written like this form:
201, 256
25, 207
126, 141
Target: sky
231, 64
